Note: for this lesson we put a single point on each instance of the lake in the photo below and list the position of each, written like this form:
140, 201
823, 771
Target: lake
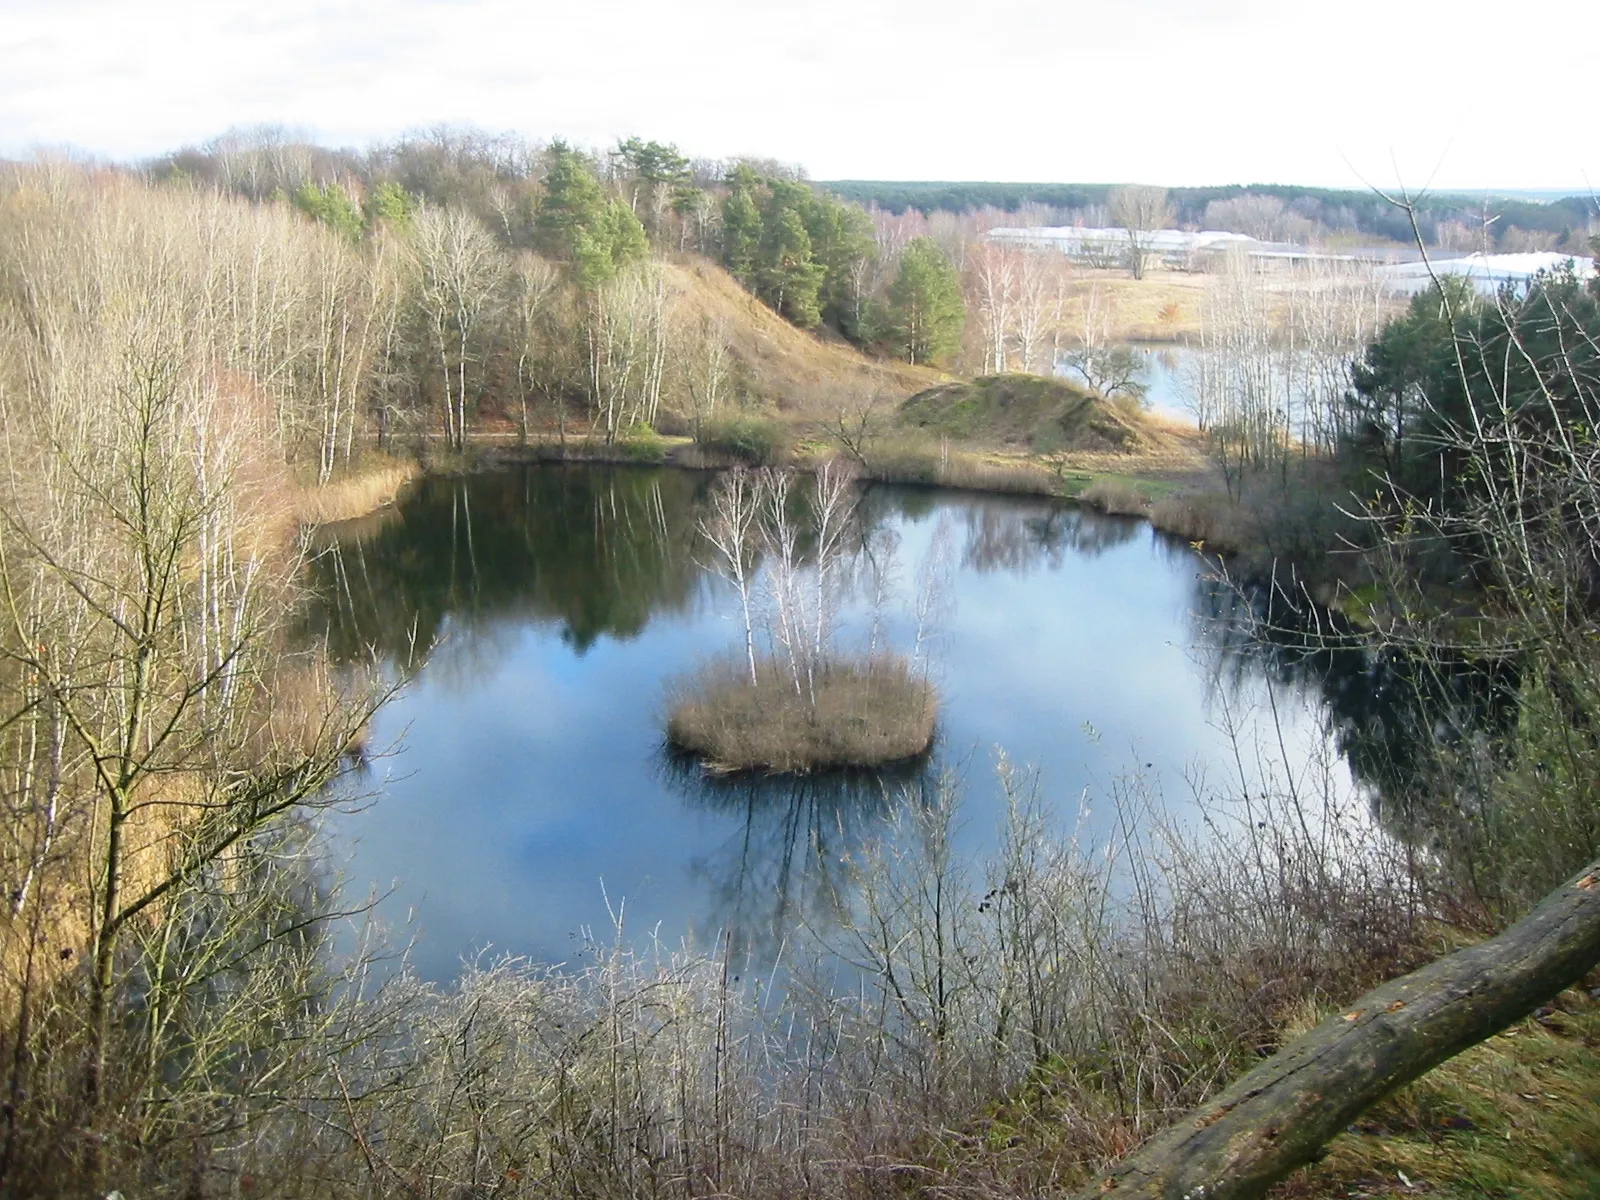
530, 800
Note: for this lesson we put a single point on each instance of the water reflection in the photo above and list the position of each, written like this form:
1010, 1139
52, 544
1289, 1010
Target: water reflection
1388, 713
596, 551
781, 863
564, 599
1006, 533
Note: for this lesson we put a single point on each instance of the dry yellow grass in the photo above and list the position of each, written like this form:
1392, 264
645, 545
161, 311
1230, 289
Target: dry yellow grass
850, 713
1211, 521
1161, 307
1119, 497
368, 489
1164, 306
795, 371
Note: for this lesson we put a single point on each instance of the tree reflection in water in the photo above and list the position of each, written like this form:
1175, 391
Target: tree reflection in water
782, 866
1394, 718
1016, 534
596, 550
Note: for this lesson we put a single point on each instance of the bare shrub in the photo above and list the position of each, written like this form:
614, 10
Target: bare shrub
1014, 1022
857, 713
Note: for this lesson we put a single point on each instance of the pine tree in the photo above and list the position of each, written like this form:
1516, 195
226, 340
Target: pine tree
389, 204
332, 206
741, 225
659, 174
572, 206
788, 276
616, 239
926, 313
841, 241
577, 224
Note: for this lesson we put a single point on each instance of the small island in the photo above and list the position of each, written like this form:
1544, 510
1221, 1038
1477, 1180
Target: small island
802, 702
849, 713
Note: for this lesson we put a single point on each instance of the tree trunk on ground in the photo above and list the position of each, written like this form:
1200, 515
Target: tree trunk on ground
1280, 1115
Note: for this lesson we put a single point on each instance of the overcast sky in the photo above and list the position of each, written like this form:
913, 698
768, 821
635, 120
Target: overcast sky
1465, 94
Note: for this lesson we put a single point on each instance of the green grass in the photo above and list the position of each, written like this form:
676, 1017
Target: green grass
1518, 1116
1515, 1118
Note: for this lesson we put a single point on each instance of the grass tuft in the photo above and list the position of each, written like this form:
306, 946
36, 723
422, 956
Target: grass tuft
851, 713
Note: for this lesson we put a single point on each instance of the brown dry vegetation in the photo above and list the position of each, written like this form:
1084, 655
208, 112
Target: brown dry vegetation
157, 718
1119, 497
1211, 521
850, 713
1164, 306
369, 486
796, 372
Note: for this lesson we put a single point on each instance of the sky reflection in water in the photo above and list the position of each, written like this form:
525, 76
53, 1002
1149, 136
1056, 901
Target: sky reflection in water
533, 797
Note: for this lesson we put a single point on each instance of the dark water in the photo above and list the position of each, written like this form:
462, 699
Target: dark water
533, 800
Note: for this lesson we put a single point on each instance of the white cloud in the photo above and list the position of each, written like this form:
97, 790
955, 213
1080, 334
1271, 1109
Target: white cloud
1210, 92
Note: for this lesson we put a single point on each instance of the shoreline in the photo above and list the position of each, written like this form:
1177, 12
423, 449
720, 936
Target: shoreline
1179, 503
368, 488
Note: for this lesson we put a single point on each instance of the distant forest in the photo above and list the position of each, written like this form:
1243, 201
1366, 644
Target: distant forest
1272, 211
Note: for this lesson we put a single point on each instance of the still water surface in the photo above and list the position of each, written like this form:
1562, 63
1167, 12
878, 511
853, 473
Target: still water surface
532, 798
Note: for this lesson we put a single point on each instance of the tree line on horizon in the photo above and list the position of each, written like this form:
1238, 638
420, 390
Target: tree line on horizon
1271, 212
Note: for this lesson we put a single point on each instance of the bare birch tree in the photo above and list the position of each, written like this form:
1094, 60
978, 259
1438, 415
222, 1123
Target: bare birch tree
992, 271
534, 285
145, 583
1139, 211
732, 531
461, 273
1042, 277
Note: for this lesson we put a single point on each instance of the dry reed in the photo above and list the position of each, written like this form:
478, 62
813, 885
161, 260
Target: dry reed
356, 495
1119, 497
1211, 521
845, 713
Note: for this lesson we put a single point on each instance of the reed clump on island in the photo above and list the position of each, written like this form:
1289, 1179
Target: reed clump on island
850, 712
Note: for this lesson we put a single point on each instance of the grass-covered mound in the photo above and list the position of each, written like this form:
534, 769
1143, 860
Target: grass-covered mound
849, 713
1029, 411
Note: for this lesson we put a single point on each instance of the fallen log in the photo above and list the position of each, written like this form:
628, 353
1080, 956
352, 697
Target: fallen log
1279, 1115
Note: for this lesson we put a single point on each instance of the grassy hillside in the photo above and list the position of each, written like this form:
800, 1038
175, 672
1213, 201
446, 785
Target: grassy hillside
800, 373
1029, 412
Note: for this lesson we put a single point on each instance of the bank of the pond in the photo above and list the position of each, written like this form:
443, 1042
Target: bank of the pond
358, 490
1174, 491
